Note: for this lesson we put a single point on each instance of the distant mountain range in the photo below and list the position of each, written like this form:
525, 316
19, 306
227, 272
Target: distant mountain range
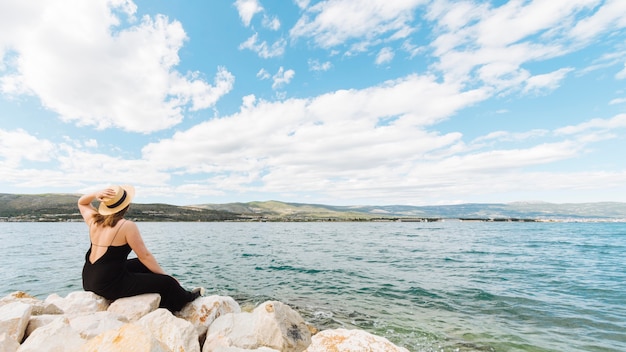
62, 207
518, 210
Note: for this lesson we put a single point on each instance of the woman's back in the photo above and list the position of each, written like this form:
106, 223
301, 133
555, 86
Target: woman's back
102, 237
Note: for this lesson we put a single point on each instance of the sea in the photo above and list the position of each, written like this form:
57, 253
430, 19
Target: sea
436, 286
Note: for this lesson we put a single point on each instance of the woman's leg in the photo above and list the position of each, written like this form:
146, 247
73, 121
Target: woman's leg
173, 296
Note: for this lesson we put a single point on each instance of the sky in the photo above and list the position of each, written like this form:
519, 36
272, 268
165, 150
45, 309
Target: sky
339, 102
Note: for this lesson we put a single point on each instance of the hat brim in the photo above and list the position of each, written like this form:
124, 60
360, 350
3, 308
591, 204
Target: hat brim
103, 209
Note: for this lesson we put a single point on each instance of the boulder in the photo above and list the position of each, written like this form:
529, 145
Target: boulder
14, 319
78, 302
176, 333
16, 296
39, 306
130, 337
350, 341
272, 324
8, 344
237, 349
135, 307
204, 310
37, 321
92, 325
57, 336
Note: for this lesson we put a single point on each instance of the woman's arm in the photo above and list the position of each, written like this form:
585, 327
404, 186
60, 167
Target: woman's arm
133, 237
84, 202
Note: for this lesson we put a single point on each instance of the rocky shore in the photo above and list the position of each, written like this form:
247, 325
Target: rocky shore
83, 321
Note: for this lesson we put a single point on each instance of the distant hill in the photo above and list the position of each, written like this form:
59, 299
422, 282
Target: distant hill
275, 210
62, 207
519, 210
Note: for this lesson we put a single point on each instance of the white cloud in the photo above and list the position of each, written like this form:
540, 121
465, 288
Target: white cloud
610, 16
606, 60
328, 25
617, 101
490, 44
294, 146
548, 81
263, 74
263, 49
91, 143
317, 141
385, 55
79, 68
282, 77
248, 102
618, 121
412, 49
302, 3
204, 95
621, 74
271, 23
316, 65
247, 9
65, 164
19, 145
74, 162
508, 159
511, 137
452, 17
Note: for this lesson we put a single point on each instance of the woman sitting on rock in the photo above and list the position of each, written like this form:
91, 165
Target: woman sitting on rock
107, 271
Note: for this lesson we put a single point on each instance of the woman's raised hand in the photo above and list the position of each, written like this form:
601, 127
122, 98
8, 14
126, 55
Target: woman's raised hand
105, 194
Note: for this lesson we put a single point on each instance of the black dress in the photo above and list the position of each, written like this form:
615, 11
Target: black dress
114, 276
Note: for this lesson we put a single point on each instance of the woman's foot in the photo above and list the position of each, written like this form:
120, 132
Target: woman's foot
198, 292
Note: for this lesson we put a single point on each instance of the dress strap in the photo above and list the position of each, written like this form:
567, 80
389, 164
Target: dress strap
116, 232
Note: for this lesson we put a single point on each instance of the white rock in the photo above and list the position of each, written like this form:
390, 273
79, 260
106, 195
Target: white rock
176, 333
237, 349
8, 344
37, 321
57, 336
92, 325
17, 295
14, 319
39, 306
351, 341
204, 310
135, 307
272, 324
79, 302
129, 337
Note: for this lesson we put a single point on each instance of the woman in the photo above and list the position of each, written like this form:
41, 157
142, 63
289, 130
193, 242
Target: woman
107, 271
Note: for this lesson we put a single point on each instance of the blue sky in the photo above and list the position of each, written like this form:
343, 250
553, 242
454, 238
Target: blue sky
336, 102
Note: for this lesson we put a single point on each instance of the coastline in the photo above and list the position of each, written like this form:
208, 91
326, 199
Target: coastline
62, 208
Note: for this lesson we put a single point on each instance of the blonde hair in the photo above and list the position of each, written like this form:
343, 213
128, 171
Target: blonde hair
109, 220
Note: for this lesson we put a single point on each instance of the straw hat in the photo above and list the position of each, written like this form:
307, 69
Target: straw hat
123, 196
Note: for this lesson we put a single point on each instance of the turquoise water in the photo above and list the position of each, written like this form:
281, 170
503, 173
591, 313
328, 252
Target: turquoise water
445, 286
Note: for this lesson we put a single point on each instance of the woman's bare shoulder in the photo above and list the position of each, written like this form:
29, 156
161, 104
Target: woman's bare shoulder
130, 225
